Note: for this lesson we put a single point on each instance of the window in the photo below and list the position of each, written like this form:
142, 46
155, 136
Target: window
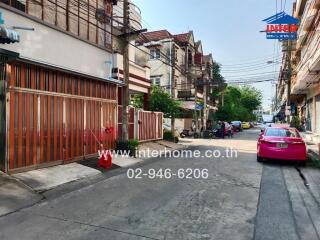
156, 81
279, 132
18, 4
155, 53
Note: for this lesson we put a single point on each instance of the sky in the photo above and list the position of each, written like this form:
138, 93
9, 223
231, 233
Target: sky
229, 29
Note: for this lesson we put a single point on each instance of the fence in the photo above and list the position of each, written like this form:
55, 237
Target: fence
52, 122
142, 125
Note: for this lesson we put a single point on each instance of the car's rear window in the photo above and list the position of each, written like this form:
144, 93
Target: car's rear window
278, 132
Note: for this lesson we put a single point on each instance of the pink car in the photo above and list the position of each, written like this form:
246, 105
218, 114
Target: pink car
282, 143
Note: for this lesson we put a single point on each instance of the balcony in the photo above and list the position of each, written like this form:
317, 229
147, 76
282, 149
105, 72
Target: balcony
139, 80
88, 24
308, 22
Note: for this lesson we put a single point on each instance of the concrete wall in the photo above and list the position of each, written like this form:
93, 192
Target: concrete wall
53, 47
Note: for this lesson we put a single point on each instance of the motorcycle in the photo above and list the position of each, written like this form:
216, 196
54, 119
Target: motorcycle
189, 133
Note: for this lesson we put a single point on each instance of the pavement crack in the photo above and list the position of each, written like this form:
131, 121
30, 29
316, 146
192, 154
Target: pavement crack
96, 226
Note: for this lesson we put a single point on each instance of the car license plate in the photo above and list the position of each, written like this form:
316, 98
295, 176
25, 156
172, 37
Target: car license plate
282, 145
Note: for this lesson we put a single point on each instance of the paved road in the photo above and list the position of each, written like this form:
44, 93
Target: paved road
224, 206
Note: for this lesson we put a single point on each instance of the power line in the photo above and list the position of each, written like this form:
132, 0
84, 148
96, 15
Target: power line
267, 62
106, 31
253, 74
249, 82
249, 60
251, 68
252, 62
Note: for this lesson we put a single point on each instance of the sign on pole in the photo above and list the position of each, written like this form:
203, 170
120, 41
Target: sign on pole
281, 27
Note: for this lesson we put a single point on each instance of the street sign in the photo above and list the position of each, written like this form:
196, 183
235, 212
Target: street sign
8, 35
281, 27
199, 106
1, 19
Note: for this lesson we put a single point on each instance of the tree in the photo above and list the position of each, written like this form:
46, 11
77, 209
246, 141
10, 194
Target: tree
239, 103
251, 98
218, 81
137, 100
161, 101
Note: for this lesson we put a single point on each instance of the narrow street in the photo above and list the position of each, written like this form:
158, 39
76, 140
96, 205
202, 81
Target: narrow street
224, 206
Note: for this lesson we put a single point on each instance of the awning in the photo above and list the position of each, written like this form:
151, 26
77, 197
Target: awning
8, 36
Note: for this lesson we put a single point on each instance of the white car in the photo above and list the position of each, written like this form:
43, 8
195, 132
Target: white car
264, 125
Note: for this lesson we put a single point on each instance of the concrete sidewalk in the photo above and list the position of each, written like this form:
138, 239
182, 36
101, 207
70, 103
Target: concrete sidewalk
45, 179
14, 195
313, 150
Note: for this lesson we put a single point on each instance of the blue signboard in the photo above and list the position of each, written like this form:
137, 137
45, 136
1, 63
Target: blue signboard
199, 106
1, 19
281, 27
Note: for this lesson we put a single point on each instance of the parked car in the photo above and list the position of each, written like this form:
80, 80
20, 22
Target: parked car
281, 143
245, 125
264, 125
237, 125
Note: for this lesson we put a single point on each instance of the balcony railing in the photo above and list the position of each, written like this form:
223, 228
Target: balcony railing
89, 23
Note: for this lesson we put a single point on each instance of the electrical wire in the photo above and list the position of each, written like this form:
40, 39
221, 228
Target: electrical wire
106, 31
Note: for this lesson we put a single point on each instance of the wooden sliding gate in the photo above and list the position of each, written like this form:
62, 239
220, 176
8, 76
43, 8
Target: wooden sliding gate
62, 122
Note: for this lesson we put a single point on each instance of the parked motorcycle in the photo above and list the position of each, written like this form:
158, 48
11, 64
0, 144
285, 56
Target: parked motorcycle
189, 133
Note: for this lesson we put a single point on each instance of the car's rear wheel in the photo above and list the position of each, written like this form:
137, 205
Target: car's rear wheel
259, 159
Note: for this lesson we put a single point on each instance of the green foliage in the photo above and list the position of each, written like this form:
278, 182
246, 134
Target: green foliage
296, 123
218, 80
251, 98
168, 136
161, 101
137, 100
239, 103
129, 146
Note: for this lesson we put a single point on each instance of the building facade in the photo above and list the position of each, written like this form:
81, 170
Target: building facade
58, 96
178, 65
304, 55
139, 82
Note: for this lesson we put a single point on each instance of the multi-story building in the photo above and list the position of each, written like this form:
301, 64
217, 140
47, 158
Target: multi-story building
305, 61
57, 92
178, 65
139, 82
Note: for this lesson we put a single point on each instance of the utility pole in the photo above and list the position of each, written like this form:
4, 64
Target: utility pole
126, 71
289, 75
125, 38
173, 83
205, 98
